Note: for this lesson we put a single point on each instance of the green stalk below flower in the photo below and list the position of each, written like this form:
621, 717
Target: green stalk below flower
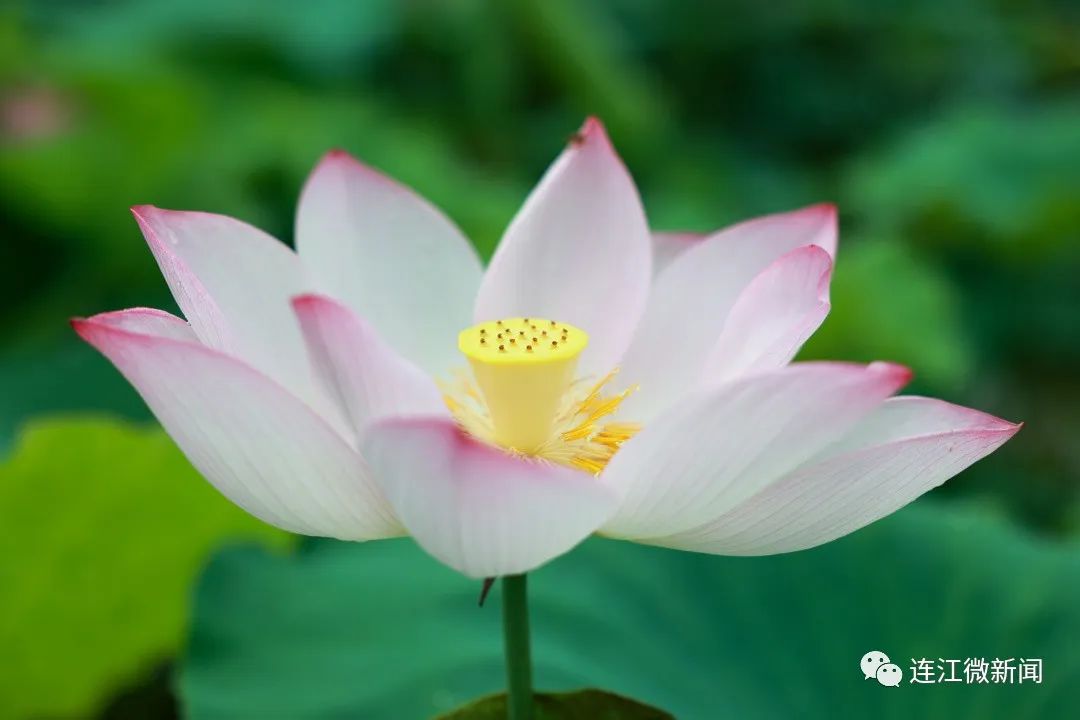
519, 690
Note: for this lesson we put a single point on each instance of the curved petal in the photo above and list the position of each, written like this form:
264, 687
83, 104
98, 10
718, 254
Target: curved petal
910, 416
262, 447
391, 256
233, 283
669, 245
711, 452
477, 509
147, 321
577, 252
773, 316
691, 300
358, 369
906, 447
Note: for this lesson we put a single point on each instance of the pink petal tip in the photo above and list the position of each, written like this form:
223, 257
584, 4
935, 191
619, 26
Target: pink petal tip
592, 131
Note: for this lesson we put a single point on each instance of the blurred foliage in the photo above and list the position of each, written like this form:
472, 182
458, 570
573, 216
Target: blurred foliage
105, 527
998, 181
65, 378
946, 131
381, 630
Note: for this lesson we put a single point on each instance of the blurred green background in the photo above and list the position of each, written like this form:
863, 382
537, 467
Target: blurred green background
947, 131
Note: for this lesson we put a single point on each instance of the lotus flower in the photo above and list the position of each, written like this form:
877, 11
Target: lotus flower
379, 381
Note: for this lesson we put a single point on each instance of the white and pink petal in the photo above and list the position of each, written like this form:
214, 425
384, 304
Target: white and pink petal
260, 445
711, 452
692, 298
358, 369
233, 283
578, 251
476, 508
907, 447
391, 256
773, 317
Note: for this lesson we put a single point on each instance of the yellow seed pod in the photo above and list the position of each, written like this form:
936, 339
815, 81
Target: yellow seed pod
523, 374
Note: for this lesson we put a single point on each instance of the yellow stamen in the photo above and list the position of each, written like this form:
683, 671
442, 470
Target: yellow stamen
528, 400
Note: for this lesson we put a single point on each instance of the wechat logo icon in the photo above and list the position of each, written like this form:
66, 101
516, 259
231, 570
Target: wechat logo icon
875, 664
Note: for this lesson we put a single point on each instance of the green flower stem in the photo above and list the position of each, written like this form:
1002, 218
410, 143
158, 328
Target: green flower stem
516, 641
